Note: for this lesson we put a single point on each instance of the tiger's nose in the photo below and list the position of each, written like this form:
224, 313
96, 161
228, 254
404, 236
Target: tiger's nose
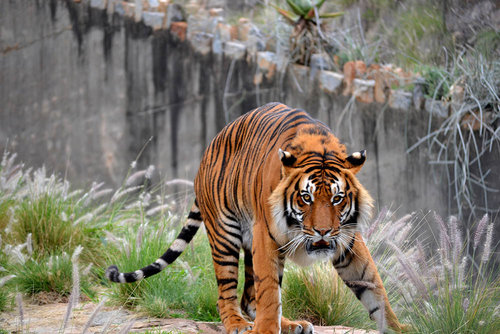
322, 231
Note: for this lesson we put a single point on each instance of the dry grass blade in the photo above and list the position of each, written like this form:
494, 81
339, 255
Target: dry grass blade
93, 315
20, 309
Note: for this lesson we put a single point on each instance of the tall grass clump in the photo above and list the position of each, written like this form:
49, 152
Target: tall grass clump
54, 274
446, 284
48, 218
43, 220
319, 295
42, 209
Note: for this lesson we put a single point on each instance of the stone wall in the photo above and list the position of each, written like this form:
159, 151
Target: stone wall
85, 89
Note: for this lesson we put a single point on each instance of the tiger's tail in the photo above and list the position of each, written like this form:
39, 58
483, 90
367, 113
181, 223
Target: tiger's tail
176, 248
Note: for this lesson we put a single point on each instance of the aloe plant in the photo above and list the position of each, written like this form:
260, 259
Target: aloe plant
306, 38
305, 9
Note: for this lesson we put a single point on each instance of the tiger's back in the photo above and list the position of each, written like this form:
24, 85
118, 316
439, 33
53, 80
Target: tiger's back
229, 181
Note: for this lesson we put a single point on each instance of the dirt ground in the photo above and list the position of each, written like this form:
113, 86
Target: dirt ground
48, 318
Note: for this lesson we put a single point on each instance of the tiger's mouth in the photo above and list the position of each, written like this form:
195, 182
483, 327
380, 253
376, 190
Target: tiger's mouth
320, 246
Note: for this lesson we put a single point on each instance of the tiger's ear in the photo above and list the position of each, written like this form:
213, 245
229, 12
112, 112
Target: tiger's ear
287, 159
355, 161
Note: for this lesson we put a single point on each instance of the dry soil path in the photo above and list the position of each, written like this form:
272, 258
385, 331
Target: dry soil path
49, 318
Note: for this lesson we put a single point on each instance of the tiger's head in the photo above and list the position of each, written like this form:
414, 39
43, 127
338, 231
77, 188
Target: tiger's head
318, 201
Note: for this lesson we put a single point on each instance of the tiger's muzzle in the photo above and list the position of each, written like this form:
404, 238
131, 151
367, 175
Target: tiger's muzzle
321, 246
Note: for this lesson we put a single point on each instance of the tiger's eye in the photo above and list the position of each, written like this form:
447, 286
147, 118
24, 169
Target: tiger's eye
337, 199
306, 198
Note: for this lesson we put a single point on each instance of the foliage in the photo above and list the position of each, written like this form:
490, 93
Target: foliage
306, 38
468, 133
420, 35
487, 42
44, 218
436, 82
5, 299
317, 294
442, 288
50, 274
305, 9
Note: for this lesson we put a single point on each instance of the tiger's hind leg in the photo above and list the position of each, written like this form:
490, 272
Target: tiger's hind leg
225, 247
358, 271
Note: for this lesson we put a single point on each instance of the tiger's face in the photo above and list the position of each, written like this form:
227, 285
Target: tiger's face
318, 203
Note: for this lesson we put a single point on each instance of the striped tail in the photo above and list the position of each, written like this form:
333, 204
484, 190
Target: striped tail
176, 248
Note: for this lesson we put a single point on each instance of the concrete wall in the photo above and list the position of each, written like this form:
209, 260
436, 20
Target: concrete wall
84, 92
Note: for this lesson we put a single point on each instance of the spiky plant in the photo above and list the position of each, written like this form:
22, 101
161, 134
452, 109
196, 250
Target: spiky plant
307, 37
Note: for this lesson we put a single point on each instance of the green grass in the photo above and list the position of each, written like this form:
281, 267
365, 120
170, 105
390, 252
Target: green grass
5, 299
48, 219
317, 294
49, 274
437, 82
440, 288
451, 310
187, 288
420, 35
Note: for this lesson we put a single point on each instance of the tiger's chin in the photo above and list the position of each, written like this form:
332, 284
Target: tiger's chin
311, 252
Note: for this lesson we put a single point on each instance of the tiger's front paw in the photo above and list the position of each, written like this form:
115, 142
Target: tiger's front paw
240, 328
296, 327
404, 328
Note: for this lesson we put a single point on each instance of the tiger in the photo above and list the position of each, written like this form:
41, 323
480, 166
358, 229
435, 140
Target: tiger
278, 184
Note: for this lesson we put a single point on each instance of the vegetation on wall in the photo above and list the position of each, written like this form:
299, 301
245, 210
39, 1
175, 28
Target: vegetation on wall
454, 63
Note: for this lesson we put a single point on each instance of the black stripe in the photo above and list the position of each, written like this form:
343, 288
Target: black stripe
351, 244
339, 260
338, 266
356, 288
359, 291
364, 271
152, 269
187, 233
170, 256
230, 287
373, 311
195, 216
226, 263
224, 281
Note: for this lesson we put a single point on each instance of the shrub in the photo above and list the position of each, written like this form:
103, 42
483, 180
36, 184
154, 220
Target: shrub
436, 82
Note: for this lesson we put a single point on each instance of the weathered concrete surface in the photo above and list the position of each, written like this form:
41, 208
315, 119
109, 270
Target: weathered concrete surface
84, 92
